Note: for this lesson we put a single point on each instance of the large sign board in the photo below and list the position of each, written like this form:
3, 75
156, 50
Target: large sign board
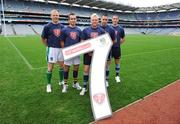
98, 93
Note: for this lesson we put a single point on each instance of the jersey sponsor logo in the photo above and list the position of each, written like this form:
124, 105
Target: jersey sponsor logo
77, 49
99, 98
116, 32
94, 34
73, 35
57, 32
103, 42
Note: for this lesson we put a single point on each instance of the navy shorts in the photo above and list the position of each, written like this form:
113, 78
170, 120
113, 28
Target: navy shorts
110, 55
87, 59
116, 52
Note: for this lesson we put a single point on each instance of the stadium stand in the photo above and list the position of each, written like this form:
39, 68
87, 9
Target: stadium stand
27, 17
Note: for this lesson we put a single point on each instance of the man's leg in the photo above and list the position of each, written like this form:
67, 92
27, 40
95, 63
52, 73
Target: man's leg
85, 79
49, 76
107, 68
66, 76
117, 68
61, 72
87, 62
75, 76
117, 63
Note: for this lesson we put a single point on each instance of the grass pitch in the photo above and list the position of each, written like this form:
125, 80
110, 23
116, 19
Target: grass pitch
148, 63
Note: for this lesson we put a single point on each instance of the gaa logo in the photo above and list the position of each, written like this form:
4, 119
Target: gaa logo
99, 98
103, 42
73, 35
93, 34
116, 32
57, 32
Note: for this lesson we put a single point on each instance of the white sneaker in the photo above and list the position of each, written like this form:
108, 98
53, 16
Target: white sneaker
107, 83
77, 86
118, 80
64, 90
61, 82
83, 91
48, 88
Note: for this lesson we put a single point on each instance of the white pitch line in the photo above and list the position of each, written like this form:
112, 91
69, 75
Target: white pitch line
142, 98
15, 36
129, 55
162, 50
43, 67
39, 68
20, 54
31, 68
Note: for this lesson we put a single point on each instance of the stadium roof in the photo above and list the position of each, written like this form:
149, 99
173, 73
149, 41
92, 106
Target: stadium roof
144, 3
101, 4
112, 6
171, 7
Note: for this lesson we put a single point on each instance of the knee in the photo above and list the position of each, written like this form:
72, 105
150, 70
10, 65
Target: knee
50, 68
76, 68
86, 71
66, 68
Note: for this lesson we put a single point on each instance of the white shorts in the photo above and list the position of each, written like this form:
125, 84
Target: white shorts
73, 61
54, 55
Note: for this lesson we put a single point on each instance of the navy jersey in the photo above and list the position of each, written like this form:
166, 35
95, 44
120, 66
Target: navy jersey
110, 30
52, 32
71, 35
90, 32
119, 33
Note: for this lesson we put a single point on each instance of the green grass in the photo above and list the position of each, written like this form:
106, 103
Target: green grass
148, 64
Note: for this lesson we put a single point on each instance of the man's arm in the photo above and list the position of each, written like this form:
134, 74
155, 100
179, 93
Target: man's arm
62, 44
123, 36
44, 41
122, 40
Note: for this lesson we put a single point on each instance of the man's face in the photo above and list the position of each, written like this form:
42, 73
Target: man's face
55, 16
72, 20
94, 21
104, 20
115, 20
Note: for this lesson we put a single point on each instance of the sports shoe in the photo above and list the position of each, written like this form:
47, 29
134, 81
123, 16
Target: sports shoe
64, 90
118, 80
61, 82
107, 83
83, 91
48, 88
77, 86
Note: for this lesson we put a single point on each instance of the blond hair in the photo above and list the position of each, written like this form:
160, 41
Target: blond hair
54, 10
94, 15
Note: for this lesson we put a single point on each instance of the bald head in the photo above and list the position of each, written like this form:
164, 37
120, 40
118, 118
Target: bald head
55, 16
115, 20
94, 20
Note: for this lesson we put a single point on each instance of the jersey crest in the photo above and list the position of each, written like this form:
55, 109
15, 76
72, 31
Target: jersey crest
57, 32
94, 34
73, 35
116, 32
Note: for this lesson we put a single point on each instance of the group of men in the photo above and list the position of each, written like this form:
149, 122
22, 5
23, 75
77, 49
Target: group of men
55, 36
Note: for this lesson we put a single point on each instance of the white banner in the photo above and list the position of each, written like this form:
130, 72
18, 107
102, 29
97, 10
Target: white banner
98, 93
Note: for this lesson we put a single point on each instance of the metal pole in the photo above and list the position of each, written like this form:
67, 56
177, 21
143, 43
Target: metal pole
4, 23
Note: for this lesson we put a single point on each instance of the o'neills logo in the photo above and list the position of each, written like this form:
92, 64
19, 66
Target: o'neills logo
77, 49
99, 98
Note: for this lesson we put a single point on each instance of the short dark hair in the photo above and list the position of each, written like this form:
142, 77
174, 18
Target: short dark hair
116, 15
105, 14
70, 14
